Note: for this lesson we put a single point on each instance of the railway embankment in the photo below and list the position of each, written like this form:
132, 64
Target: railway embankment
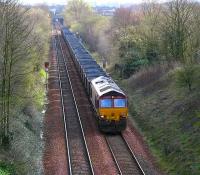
24, 46
24, 154
164, 102
168, 118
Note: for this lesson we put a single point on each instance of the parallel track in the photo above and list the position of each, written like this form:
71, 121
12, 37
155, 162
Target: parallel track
123, 156
79, 161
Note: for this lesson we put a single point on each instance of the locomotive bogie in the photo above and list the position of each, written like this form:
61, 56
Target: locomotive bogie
111, 126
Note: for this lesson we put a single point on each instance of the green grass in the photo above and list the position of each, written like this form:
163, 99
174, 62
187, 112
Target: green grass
3, 172
6, 168
169, 118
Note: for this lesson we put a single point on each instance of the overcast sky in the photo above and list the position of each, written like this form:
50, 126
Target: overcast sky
97, 2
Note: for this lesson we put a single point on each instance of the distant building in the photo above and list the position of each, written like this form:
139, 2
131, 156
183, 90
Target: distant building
105, 11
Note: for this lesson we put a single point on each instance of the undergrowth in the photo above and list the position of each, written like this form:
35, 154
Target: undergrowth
6, 168
169, 117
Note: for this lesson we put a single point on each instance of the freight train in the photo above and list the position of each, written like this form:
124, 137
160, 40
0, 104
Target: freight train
108, 100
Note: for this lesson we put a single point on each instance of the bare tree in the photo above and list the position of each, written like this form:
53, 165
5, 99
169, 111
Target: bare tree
78, 10
176, 27
15, 32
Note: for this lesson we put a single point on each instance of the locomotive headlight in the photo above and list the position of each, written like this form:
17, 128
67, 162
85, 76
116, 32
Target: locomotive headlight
102, 116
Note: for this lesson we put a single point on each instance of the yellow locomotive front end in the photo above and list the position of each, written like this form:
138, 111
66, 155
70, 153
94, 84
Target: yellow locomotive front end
113, 112
110, 103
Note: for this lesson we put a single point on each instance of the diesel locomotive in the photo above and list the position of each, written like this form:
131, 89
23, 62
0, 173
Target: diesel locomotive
108, 100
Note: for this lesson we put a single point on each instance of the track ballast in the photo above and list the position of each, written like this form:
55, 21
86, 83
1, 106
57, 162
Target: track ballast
78, 155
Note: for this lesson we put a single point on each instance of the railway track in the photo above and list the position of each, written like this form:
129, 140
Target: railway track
79, 161
96, 142
73, 104
123, 156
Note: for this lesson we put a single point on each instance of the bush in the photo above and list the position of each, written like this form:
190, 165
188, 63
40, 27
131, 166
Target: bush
6, 168
186, 76
131, 66
27, 145
147, 75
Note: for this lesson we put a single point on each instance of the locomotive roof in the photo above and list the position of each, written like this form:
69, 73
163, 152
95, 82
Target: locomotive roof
104, 85
92, 76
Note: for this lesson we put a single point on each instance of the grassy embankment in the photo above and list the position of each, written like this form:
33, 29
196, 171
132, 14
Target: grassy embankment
168, 117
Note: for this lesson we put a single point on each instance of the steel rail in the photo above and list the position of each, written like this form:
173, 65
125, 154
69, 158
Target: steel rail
77, 110
133, 155
113, 155
110, 147
63, 109
141, 171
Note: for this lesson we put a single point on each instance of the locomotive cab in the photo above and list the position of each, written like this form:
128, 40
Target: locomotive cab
112, 112
110, 103
113, 107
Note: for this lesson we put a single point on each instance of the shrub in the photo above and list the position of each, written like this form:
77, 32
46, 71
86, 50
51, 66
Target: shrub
131, 66
186, 76
148, 75
6, 168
